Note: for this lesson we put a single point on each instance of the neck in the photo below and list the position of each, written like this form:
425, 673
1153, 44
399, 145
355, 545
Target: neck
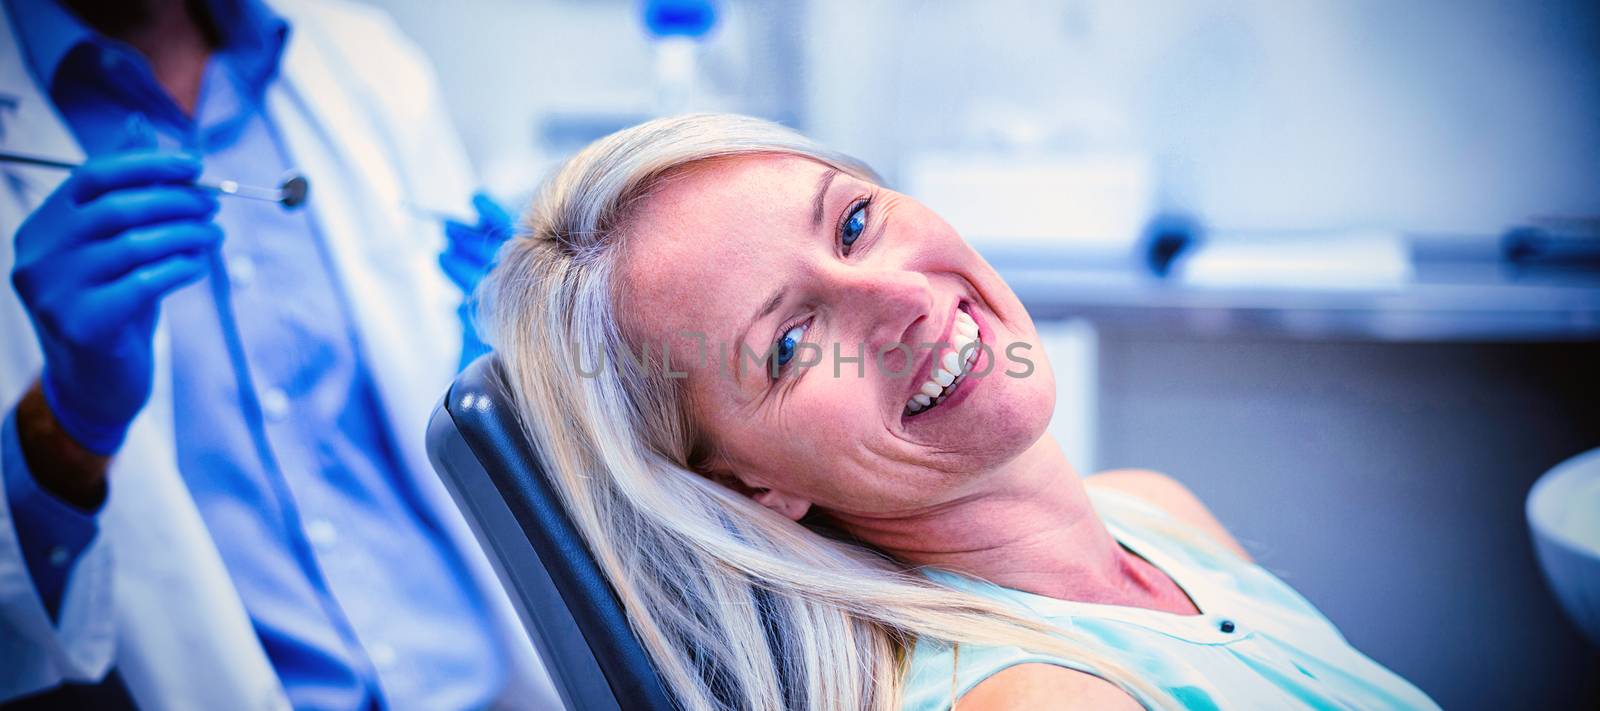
1031, 528
174, 35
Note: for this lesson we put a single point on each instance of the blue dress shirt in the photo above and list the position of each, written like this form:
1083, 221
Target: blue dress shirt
358, 599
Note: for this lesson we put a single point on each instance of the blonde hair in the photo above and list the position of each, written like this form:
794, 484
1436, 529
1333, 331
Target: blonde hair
737, 606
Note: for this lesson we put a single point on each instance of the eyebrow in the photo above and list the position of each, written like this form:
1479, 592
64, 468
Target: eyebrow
822, 195
738, 346
776, 299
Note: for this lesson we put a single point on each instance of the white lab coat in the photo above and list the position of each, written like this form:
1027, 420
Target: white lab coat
359, 111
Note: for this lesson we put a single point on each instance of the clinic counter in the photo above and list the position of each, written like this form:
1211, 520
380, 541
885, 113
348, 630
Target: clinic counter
1442, 302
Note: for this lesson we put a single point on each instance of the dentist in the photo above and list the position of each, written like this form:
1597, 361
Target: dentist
215, 489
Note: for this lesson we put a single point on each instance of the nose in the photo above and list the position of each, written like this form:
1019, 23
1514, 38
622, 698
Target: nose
883, 307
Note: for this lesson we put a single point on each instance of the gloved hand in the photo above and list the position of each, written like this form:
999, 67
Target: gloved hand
468, 254
92, 264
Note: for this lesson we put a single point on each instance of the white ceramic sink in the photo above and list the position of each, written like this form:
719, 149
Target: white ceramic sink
1564, 513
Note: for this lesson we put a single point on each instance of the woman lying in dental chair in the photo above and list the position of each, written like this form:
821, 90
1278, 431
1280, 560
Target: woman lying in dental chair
794, 429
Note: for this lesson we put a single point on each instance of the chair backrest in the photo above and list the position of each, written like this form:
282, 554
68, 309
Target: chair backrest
570, 611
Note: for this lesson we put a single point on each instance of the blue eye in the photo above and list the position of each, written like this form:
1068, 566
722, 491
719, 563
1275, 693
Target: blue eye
855, 223
786, 346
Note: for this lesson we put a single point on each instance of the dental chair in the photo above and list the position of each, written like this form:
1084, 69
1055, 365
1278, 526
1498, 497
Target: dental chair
566, 605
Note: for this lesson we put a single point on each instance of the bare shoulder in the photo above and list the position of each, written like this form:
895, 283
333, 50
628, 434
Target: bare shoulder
1044, 686
1171, 496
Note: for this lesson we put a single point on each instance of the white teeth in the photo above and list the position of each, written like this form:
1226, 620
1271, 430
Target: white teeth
966, 326
950, 366
951, 362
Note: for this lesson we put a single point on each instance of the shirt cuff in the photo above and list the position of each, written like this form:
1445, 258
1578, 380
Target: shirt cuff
51, 532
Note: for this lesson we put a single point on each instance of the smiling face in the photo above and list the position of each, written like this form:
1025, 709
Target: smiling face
778, 263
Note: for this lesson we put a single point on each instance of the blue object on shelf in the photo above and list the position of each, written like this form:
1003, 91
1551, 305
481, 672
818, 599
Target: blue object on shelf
1531, 246
680, 18
1165, 238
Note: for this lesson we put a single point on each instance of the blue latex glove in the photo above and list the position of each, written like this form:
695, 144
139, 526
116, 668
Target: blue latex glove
92, 264
468, 255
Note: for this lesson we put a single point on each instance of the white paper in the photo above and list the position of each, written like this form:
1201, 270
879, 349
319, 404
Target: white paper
1337, 261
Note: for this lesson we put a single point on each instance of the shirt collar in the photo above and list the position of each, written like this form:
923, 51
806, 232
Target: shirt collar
253, 37
47, 32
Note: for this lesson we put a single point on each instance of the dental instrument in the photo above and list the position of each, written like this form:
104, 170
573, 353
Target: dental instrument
291, 193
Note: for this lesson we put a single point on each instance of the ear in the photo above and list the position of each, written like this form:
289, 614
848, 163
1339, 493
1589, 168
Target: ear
718, 470
787, 505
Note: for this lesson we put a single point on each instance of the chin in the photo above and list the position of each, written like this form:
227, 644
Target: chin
996, 417
1026, 409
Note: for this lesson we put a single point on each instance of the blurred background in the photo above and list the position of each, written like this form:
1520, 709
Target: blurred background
1335, 265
